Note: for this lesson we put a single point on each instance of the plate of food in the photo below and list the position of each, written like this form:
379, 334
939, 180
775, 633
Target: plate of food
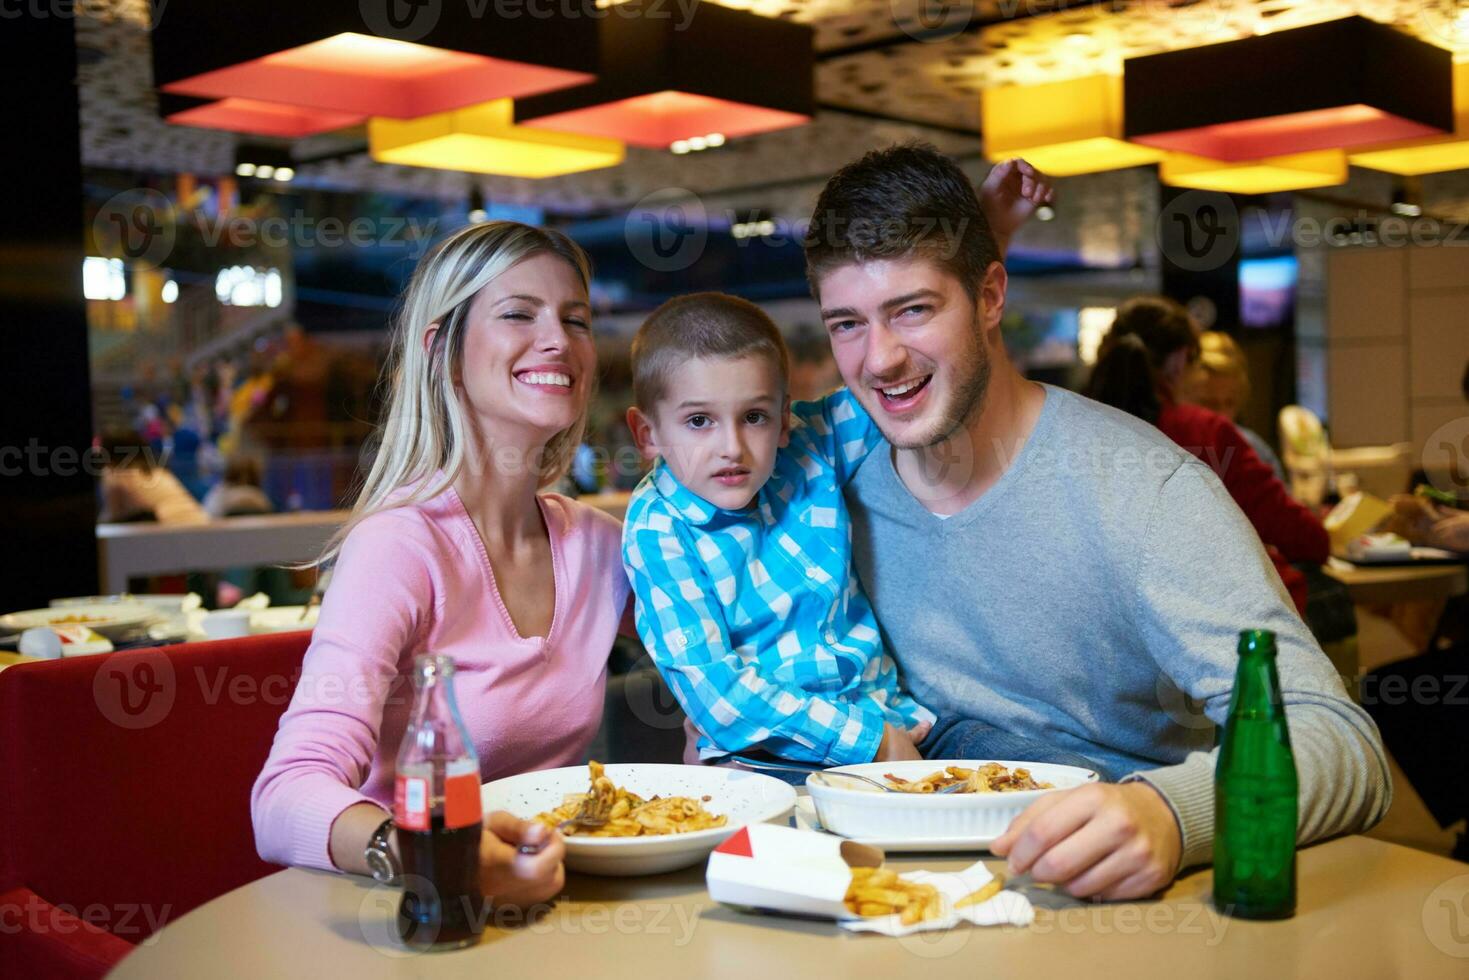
934, 804
114, 620
640, 818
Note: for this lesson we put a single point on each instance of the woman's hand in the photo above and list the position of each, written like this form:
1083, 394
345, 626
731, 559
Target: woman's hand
895, 746
1010, 195
510, 878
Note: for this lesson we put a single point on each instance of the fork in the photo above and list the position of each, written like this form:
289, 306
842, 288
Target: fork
823, 775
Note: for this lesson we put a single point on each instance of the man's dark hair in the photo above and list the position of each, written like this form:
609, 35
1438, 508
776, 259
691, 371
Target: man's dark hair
907, 199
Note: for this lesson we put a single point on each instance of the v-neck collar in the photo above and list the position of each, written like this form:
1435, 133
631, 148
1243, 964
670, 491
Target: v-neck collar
553, 532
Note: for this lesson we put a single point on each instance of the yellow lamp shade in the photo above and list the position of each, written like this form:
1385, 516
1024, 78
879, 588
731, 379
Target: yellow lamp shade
1294, 172
1064, 128
484, 139
1431, 155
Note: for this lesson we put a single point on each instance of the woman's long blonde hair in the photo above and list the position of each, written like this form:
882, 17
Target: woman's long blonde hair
426, 429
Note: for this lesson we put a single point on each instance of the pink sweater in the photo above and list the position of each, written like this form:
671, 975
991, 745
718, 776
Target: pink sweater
415, 579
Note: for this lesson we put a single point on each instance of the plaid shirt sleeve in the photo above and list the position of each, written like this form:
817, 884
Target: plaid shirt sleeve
837, 429
722, 691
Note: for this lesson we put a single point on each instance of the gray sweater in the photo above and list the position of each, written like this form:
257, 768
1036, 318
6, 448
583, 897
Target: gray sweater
1092, 597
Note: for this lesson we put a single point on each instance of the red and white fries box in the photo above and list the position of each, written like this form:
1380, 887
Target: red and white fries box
766, 866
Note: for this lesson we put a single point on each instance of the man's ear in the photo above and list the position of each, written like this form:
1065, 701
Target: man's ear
785, 422
643, 436
992, 300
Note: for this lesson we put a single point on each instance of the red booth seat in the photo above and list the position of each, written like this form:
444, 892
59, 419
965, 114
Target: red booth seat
125, 793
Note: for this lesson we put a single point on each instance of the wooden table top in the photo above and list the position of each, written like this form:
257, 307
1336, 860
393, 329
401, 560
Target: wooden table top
1366, 909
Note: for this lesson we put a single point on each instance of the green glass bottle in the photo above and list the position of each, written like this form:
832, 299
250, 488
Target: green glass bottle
1255, 793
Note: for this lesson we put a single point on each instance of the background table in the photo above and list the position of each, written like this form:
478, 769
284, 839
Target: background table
1367, 909
1399, 583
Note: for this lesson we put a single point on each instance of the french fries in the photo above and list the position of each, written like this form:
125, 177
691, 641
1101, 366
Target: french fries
877, 892
608, 810
988, 778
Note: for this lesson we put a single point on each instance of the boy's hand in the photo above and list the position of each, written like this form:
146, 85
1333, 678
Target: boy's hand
1010, 195
895, 746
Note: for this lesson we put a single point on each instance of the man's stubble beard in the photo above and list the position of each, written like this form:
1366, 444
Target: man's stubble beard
972, 381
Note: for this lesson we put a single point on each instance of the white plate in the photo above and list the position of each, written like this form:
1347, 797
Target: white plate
283, 619
743, 797
805, 818
111, 619
869, 814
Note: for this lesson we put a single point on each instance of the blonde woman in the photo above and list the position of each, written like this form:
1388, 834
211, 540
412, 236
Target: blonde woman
1221, 383
452, 548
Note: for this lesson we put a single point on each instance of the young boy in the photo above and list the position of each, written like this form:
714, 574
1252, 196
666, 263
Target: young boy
738, 546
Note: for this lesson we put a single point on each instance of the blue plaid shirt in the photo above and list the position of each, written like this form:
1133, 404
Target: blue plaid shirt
755, 617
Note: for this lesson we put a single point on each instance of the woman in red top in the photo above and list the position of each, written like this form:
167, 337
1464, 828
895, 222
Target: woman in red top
1141, 361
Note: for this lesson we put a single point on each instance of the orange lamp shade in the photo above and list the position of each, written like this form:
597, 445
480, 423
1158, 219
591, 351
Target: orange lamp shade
1428, 156
664, 79
659, 118
1293, 172
484, 139
253, 116
1345, 83
1064, 128
386, 58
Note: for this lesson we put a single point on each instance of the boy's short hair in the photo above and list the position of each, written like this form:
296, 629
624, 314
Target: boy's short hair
907, 199
700, 325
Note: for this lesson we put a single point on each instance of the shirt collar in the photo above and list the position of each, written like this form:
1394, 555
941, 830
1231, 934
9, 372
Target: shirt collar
689, 505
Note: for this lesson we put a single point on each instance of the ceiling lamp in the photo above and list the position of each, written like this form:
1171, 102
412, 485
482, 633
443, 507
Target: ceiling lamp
1429, 156
484, 139
319, 54
664, 78
1064, 128
1293, 172
1343, 83
252, 116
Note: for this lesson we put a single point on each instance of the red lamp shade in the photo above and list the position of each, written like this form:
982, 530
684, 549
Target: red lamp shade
664, 78
1345, 83
252, 116
328, 55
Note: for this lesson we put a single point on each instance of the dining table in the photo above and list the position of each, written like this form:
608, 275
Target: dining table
1366, 908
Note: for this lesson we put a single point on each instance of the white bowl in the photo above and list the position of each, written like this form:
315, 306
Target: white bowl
870, 813
113, 620
743, 797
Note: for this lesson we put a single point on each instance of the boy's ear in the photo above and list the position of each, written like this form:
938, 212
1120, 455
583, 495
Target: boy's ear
785, 422
641, 428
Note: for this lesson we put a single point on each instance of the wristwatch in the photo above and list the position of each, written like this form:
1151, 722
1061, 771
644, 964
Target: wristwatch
379, 854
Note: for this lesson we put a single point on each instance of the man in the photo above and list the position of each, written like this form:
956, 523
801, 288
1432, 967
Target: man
1048, 565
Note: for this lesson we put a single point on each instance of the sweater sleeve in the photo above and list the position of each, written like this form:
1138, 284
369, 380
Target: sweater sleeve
381, 597
1202, 578
1278, 518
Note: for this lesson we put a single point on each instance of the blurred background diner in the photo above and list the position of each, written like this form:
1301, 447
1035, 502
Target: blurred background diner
201, 262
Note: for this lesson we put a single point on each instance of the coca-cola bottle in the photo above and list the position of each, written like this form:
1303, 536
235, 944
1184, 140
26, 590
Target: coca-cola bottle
436, 808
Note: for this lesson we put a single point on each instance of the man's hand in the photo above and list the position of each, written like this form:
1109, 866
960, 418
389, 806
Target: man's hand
1010, 195
895, 746
510, 878
1104, 840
